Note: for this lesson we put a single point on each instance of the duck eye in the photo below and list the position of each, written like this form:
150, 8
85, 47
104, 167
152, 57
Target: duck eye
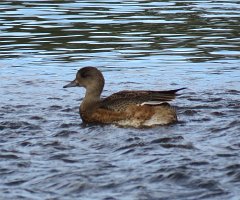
85, 74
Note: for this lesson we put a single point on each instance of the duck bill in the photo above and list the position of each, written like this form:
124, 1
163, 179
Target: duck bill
71, 84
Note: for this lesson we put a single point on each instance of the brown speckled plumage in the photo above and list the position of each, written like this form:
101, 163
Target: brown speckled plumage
125, 108
120, 100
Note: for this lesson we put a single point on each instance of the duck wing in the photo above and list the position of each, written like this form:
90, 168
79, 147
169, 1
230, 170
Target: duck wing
120, 100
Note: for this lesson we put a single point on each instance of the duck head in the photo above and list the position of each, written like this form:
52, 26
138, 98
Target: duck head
90, 78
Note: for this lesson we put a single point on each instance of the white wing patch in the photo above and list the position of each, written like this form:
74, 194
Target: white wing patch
152, 103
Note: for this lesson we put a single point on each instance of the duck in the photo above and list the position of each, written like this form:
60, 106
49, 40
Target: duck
127, 108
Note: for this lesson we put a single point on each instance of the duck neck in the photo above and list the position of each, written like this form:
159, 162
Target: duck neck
91, 100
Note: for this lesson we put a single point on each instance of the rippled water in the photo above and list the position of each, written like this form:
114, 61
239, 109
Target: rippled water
46, 152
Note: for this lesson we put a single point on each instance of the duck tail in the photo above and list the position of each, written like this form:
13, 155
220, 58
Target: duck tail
174, 91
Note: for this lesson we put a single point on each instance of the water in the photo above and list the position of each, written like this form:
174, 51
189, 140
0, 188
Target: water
46, 152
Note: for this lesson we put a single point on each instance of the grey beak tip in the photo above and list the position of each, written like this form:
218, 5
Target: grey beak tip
71, 84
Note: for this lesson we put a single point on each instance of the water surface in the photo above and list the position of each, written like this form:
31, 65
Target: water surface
46, 152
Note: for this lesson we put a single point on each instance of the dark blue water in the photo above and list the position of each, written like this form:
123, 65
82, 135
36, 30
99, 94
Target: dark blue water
46, 152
